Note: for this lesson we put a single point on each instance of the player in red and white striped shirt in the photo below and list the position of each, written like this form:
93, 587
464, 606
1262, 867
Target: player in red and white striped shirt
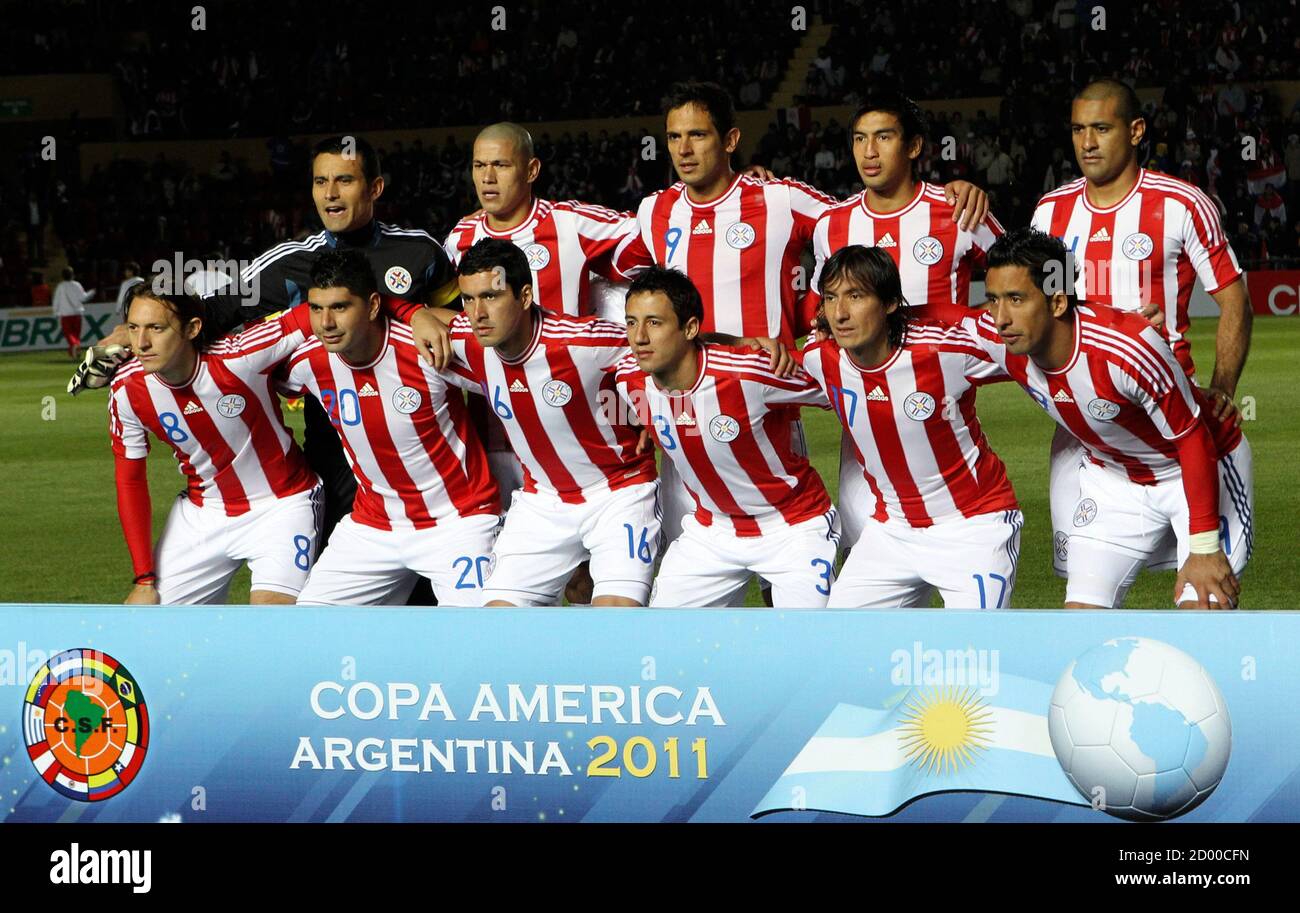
908, 219
568, 243
1157, 460
587, 492
722, 416
1141, 240
426, 503
250, 496
945, 515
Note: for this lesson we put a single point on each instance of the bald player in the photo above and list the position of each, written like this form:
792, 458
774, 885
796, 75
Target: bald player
1141, 240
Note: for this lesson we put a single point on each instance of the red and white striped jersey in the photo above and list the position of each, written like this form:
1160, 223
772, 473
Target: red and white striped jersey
1151, 246
729, 439
913, 425
1122, 393
934, 256
224, 424
564, 242
741, 249
554, 400
406, 436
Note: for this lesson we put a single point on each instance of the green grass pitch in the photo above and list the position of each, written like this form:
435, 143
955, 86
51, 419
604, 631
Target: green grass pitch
61, 541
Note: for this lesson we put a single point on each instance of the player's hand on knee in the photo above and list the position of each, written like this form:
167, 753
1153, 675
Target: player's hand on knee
970, 204
432, 339
1210, 576
142, 594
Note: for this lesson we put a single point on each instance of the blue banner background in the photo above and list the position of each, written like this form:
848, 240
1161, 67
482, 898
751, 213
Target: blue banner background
227, 691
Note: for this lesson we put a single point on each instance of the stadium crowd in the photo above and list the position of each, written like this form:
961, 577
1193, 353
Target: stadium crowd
145, 210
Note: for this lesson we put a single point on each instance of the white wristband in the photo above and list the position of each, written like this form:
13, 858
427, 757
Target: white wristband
1206, 543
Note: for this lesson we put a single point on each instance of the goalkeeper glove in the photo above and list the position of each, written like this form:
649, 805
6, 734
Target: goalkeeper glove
97, 368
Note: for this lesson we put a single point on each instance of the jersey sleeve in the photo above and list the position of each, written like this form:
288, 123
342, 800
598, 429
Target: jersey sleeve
610, 341
462, 339
1207, 246
982, 238
261, 347
799, 389
440, 279
1153, 380
807, 204
134, 510
630, 257
1042, 217
128, 435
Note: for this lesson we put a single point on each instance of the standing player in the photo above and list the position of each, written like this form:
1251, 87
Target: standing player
250, 496
910, 220
587, 493
945, 514
426, 504
1142, 239
1157, 462
740, 238
566, 244
723, 418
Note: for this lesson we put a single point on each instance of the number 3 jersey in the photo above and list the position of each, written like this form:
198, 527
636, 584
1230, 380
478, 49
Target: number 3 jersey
729, 438
223, 424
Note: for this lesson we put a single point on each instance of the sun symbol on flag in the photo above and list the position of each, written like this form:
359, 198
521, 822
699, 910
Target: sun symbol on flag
941, 731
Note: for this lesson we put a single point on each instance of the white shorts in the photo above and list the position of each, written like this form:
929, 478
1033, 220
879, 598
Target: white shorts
971, 562
855, 500
708, 567
201, 548
1119, 525
367, 566
1068, 459
545, 538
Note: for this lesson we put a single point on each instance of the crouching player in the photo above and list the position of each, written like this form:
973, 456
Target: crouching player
945, 516
587, 493
426, 503
723, 417
1159, 463
249, 497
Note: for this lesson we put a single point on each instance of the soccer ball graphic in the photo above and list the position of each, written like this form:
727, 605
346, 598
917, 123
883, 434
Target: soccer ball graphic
1140, 729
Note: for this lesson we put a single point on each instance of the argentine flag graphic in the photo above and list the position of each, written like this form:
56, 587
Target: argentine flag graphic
926, 739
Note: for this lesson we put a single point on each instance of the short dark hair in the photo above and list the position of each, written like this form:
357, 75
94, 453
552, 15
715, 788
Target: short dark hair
185, 307
708, 95
347, 269
132, 267
1130, 107
1040, 253
909, 113
348, 145
498, 253
875, 271
677, 286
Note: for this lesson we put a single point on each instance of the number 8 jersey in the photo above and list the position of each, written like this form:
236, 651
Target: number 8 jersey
224, 424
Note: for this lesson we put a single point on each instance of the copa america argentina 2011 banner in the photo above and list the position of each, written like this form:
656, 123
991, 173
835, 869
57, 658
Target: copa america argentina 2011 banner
284, 714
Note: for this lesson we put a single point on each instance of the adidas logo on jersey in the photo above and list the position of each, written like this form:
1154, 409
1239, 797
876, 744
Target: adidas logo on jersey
1100, 235
367, 390
685, 420
701, 228
887, 241
192, 407
877, 395
1062, 397
518, 387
